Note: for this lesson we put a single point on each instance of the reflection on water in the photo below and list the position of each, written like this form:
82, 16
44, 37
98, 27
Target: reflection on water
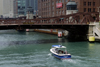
25, 42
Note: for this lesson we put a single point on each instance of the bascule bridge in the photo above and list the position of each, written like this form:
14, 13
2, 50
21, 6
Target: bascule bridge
79, 24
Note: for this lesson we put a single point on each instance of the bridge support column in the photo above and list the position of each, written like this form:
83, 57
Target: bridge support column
94, 31
90, 31
90, 35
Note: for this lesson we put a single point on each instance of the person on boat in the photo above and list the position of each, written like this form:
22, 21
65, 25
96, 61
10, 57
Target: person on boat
60, 52
56, 50
66, 52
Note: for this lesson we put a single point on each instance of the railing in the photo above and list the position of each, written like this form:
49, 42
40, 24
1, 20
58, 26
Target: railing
72, 19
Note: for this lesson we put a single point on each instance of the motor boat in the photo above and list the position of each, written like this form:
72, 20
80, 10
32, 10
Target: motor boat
60, 52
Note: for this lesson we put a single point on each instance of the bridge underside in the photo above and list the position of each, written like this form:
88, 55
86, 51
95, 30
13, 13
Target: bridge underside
67, 27
75, 31
78, 33
77, 24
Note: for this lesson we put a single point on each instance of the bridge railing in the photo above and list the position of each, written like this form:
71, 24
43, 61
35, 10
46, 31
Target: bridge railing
73, 19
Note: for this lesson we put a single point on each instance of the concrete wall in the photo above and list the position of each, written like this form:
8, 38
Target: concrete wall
29, 16
71, 11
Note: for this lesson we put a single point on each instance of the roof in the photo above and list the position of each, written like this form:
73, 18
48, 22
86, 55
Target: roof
71, 3
58, 46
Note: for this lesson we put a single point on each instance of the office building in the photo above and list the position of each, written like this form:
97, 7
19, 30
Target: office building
21, 5
24, 4
51, 8
7, 8
33, 4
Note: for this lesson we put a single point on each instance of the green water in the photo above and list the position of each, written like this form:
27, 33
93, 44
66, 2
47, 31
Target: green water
31, 49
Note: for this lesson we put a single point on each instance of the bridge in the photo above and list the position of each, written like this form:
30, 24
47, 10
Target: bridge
77, 23
77, 19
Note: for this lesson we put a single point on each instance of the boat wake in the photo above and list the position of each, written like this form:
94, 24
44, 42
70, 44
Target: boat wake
49, 54
75, 61
70, 61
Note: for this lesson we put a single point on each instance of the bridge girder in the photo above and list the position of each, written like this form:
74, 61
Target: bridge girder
72, 19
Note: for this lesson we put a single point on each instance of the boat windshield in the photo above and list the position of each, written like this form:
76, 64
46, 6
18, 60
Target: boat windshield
63, 49
58, 46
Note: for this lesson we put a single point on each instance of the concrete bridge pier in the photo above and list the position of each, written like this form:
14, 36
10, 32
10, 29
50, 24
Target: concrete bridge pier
94, 31
90, 31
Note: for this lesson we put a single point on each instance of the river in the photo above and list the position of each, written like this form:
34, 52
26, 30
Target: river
32, 49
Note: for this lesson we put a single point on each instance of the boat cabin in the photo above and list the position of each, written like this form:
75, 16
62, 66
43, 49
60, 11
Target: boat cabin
59, 49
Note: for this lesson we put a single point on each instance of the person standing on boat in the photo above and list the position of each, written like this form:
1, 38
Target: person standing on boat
65, 51
56, 50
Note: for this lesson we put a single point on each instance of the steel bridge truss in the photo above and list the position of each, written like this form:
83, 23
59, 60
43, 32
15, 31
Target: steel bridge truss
71, 19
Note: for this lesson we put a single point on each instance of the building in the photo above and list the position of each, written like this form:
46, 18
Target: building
48, 8
15, 9
88, 5
51, 8
7, 8
33, 4
24, 4
21, 5
29, 14
71, 7
35, 7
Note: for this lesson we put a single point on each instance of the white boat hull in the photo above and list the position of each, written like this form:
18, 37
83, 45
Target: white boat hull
60, 56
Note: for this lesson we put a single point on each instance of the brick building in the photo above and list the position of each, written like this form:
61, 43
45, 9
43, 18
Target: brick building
51, 8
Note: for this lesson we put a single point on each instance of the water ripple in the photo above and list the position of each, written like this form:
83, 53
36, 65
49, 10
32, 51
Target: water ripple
43, 41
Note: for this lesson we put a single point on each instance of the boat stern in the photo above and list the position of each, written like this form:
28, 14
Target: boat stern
62, 57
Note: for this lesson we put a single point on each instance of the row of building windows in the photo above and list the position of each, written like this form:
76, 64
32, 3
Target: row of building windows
46, 8
61, 12
61, 1
21, 7
58, 1
89, 10
48, 3
89, 3
49, 9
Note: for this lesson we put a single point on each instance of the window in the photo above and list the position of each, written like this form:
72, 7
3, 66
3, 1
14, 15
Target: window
84, 9
89, 3
18, 7
59, 1
19, 1
63, 12
89, 9
84, 3
52, 2
63, 1
56, 1
53, 8
93, 9
23, 7
93, 3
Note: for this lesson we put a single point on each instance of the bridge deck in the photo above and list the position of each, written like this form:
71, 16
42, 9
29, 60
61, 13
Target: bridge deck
72, 19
